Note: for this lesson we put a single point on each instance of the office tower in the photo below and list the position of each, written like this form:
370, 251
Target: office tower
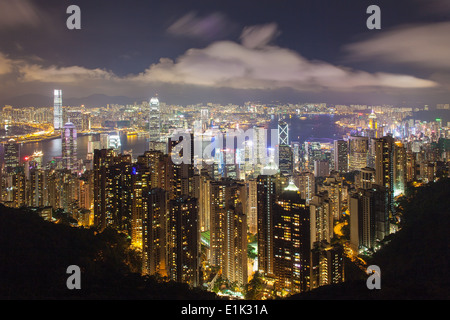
358, 148
340, 156
266, 196
321, 168
283, 133
204, 116
75, 117
154, 120
57, 110
228, 197
69, 146
296, 153
373, 125
11, 156
184, 241
155, 232
369, 217
252, 211
285, 160
259, 153
291, 241
306, 183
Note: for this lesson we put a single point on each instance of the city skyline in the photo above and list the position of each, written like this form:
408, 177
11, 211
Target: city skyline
243, 151
199, 52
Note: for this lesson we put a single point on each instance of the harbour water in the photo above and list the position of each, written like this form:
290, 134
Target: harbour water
308, 127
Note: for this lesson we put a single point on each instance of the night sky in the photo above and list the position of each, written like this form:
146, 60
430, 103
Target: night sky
235, 51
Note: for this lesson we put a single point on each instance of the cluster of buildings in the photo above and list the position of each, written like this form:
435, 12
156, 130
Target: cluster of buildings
192, 220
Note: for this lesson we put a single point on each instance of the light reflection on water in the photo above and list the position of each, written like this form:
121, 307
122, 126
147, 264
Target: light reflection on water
314, 126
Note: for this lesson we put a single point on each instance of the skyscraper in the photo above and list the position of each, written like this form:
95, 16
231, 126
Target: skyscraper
340, 156
291, 246
228, 199
285, 159
390, 167
358, 148
57, 110
155, 232
69, 146
154, 120
184, 241
266, 196
369, 218
283, 133
11, 156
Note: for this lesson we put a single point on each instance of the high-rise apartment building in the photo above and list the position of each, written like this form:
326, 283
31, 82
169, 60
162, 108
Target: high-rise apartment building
291, 241
266, 196
184, 241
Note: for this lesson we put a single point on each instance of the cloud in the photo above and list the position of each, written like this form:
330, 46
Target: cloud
252, 64
207, 27
53, 74
259, 36
255, 64
15, 13
425, 45
6, 64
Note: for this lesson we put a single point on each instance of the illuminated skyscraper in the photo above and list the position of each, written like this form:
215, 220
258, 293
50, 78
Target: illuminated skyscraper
266, 196
228, 199
390, 167
291, 233
285, 159
358, 148
155, 232
340, 156
283, 133
369, 217
57, 110
69, 146
11, 156
154, 120
184, 241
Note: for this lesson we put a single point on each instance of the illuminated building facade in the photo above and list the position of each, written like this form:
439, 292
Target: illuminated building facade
69, 146
154, 120
57, 110
266, 196
340, 156
291, 246
358, 148
184, 241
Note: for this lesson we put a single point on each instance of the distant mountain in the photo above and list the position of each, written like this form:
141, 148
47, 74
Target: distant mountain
95, 100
